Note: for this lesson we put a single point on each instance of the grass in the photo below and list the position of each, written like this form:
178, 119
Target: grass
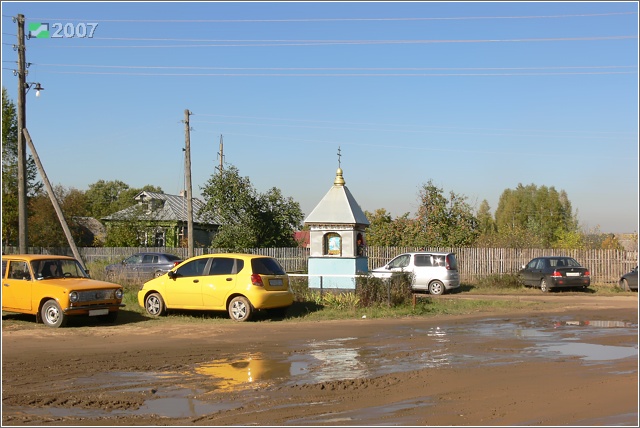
371, 299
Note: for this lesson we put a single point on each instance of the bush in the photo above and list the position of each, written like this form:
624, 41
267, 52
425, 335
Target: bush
501, 281
373, 291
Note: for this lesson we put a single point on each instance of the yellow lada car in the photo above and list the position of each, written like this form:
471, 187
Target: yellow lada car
54, 288
236, 283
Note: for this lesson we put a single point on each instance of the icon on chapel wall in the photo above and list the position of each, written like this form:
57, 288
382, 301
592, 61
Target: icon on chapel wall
333, 244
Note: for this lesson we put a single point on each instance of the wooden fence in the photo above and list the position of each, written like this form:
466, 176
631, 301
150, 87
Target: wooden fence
606, 266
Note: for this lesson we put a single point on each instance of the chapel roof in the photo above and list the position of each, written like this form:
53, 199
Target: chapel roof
338, 206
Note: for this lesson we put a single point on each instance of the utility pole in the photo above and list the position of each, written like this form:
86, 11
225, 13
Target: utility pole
187, 169
22, 148
54, 201
221, 155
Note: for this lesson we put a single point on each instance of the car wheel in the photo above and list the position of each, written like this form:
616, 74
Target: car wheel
436, 287
624, 284
240, 309
158, 273
544, 287
111, 317
154, 305
52, 315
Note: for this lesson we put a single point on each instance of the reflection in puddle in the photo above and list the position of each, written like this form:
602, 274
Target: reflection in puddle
179, 404
241, 373
591, 352
338, 359
596, 323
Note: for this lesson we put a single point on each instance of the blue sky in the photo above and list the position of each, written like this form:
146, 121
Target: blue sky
477, 97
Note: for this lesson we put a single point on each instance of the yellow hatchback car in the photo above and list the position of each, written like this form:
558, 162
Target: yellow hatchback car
55, 287
236, 283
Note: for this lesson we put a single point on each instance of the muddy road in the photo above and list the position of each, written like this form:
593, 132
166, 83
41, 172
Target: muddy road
573, 362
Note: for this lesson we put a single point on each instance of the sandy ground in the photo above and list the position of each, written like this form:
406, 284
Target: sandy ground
574, 364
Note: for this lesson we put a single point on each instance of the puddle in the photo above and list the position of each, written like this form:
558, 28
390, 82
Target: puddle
591, 352
246, 371
340, 359
368, 416
179, 404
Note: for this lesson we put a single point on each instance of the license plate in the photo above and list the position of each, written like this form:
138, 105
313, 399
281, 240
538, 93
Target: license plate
96, 312
573, 273
275, 282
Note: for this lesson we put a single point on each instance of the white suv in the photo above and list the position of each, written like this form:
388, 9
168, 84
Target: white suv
432, 272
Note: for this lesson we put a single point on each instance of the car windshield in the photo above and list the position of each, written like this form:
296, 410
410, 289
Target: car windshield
56, 268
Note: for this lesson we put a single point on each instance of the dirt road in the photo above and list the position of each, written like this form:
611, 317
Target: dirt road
576, 364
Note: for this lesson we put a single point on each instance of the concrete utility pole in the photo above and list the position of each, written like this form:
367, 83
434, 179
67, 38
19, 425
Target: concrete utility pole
187, 170
54, 201
221, 155
22, 149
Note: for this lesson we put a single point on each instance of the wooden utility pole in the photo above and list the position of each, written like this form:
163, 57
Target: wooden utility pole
187, 170
22, 148
52, 196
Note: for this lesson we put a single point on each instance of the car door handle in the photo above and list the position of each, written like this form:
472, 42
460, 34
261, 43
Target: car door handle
196, 280
6, 285
229, 279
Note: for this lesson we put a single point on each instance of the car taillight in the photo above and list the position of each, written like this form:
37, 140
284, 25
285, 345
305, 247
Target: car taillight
447, 264
176, 263
587, 273
256, 279
556, 273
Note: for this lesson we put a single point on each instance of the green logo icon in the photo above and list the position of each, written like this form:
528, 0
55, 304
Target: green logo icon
39, 30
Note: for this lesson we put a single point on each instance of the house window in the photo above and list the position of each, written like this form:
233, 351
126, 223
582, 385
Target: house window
160, 239
332, 244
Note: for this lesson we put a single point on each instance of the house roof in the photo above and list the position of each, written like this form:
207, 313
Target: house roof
338, 206
163, 207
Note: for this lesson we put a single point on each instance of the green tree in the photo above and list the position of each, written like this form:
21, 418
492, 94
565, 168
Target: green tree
129, 230
380, 231
569, 240
486, 223
108, 197
247, 218
45, 229
487, 230
444, 222
542, 213
10, 220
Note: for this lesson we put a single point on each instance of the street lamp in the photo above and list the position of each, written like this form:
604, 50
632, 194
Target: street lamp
36, 86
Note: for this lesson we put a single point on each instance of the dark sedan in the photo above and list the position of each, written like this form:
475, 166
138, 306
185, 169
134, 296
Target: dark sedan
555, 272
629, 281
143, 266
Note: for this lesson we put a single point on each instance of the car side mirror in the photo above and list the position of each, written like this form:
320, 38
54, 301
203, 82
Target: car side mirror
171, 274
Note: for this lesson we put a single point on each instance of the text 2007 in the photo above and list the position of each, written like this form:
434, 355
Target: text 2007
69, 30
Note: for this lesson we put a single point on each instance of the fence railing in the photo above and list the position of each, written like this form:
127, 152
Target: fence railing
606, 266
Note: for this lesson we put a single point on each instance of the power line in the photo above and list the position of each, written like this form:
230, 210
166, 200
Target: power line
435, 129
459, 18
182, 67
274, 43
336, 74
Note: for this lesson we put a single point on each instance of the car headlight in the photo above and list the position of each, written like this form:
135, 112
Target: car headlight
119, 293
73, 297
